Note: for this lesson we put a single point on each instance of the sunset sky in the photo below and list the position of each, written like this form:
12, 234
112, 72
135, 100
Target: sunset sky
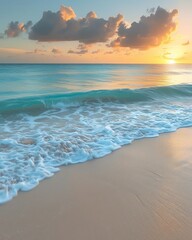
99, 31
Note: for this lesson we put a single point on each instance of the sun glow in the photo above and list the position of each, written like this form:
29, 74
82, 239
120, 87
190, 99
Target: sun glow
171, 61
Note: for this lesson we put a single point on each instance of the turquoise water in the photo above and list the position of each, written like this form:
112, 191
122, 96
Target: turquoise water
17, 81
53, 115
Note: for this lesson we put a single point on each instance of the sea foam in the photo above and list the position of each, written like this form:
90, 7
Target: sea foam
78, 127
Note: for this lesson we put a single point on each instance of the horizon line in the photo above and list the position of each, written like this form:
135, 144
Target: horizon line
41, 63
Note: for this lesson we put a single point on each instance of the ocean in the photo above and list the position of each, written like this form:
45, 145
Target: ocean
60, 114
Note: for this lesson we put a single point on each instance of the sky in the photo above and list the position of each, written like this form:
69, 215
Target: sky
123, 31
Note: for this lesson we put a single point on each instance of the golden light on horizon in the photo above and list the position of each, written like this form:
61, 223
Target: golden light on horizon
171, 61
173, 56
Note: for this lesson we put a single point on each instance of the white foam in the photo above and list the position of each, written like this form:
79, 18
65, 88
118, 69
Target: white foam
32, 147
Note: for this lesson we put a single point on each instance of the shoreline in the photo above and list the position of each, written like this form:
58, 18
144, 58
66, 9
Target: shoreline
141, 191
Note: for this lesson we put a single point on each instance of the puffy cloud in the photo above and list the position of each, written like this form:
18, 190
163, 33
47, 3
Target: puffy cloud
15, 28
91, 15
62, 26
150, 31
151, 10
28, 25
67, 13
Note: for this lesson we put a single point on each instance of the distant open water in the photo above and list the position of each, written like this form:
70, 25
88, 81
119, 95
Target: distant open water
53, 115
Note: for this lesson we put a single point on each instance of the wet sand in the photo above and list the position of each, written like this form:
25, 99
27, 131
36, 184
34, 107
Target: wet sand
141, 192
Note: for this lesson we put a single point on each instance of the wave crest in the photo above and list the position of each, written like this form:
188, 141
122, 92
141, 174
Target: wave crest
129, 96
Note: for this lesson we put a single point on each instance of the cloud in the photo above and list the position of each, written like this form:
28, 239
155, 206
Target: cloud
40, 51
15, 29
151, 10
62, 26
83, 51
186, 43
56, 51
149, 32
37, 51
91, 15
67, 13
82, 46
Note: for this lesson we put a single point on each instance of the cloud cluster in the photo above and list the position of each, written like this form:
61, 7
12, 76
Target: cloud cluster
62, 26
150, 31
37, 51
81, 49
15, 28
40, 51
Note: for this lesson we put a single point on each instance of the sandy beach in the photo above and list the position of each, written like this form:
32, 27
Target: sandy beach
140, 192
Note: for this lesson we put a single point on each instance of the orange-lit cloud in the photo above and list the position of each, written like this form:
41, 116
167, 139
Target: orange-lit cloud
150, 31
91, 15
67, 13
124, 39
62, 26
15, 28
